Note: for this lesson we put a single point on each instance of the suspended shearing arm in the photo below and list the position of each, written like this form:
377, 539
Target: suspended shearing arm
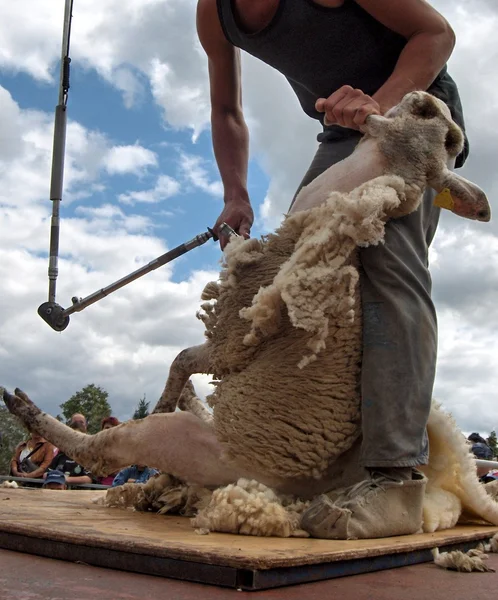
58, 317
57, 178
51, 312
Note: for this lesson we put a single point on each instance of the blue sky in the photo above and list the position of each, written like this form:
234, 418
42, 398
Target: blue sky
139, 129
98, 106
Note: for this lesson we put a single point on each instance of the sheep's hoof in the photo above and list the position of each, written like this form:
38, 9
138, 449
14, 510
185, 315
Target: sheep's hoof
24, 397
20, 405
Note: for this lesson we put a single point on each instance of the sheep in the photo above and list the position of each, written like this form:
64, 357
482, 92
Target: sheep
286, 413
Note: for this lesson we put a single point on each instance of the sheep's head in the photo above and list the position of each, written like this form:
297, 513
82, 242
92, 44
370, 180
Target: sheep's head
420, 139
424, 106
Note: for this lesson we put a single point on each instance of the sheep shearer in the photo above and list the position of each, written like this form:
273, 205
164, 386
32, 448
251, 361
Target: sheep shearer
345, 60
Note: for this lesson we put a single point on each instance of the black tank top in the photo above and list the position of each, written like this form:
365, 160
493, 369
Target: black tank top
319, 49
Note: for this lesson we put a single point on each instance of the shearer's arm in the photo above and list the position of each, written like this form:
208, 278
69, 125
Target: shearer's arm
430, 42
229, 129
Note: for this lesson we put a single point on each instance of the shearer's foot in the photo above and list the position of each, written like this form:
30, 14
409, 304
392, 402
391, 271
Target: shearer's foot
20, 405
382, 506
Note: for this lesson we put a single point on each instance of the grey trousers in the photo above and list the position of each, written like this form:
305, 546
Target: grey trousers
399, 329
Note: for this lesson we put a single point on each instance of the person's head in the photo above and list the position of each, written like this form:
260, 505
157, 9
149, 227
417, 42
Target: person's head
78, 422
109, 422
476, 438
56, 480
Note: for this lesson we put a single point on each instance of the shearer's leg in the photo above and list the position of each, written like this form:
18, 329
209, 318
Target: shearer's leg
398, 369
179, 444
399, 341
189, 361
397, 377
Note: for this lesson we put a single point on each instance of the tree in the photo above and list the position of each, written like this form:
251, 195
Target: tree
91, 402
493, 443
11, 433
142, 409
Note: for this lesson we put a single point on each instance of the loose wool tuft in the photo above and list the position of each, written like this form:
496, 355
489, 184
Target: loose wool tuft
452, 469
473, 560
317, 284
492, 489
162, 493
251, 508
246, 507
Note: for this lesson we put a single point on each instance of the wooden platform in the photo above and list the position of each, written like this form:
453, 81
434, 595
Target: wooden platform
67, 525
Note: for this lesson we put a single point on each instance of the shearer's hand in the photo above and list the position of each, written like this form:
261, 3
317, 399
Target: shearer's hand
347, 107
239, 215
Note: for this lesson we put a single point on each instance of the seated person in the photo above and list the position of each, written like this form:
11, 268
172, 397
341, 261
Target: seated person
481, 450
134, 474
73, 472
56, 480
32, 457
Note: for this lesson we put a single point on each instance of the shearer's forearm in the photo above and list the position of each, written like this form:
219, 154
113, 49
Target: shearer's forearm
231, 149
420, 62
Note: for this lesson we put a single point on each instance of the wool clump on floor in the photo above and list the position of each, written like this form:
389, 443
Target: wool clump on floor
467, 562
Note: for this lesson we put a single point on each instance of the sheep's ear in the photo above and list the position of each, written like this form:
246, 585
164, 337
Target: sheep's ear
454, 140
425, 106
375, 125
461, 196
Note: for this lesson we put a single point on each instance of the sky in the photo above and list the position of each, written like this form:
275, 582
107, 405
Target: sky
140, 178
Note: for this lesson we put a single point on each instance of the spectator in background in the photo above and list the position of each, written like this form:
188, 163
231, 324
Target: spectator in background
78, 422
481, 450
480, 447
108, 423
73, 471
55, 480
32, 457
134, 474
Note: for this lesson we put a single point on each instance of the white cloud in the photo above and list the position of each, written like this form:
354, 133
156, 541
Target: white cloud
129, 159
197, 175
31, 34
165, 188
109, 216
130, 85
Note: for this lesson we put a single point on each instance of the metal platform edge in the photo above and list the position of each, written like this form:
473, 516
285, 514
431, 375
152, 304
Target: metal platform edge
231, 577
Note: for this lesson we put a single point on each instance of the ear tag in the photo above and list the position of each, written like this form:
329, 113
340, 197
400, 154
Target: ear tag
444, 200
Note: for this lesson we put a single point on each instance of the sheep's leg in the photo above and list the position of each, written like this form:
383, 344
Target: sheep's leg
189, 361
179, 444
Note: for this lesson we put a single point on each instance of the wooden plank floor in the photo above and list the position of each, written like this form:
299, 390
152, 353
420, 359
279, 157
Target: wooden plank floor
68, 525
